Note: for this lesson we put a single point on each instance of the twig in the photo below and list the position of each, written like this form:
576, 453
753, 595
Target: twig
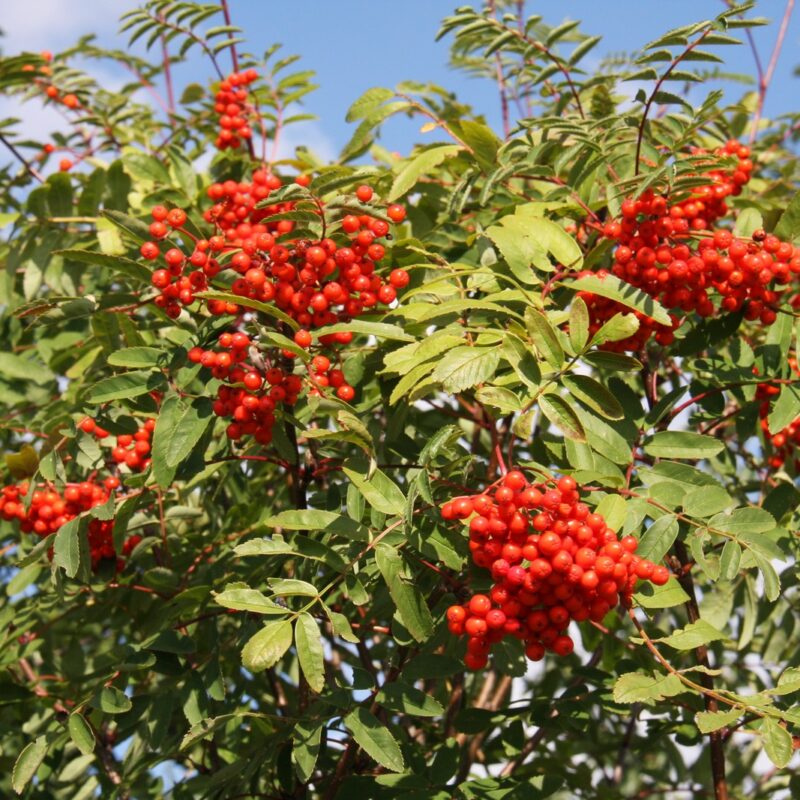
29, 168
766, 78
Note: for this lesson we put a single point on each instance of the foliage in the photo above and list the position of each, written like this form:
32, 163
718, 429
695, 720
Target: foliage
228, 616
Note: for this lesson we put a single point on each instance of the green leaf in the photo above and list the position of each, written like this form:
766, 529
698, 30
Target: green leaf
288, 587
310, 519
481, 139
111, 700
249, 302
594, 395
380, 330
614, 289
126, 386
743, 521
16, 367
305, 747
706, 501
692, 636
505, 400
179, 427
419, 166
267, 647
410, 603
28, 762
379, 491
125, 266
620, 326
60, 194
788, 227
70, 547
785, 410
730, 560
368, 102
749, 220
375, 739
240, 597
407, 699
544, 336
683, 444
578, 324
669, 595
640, 687
562, 415
140, 165
464, 367
81, 733
309, 650
136, 357
777, 743
658, 538
709, 721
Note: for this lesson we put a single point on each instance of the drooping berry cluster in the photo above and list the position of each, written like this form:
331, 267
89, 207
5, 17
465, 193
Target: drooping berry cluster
552, 561
259, 389
234, 111
132, 449
49, 510
785, 444
656, 252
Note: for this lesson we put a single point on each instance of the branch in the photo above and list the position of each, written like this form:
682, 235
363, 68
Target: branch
29, 168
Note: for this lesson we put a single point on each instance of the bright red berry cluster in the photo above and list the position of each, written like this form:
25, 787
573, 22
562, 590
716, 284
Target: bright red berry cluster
655, 253
785, 443
132, 449
259, 389
552, 561
233, 109
49, 510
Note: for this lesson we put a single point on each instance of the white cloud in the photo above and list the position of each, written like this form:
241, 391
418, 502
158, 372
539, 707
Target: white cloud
52, 24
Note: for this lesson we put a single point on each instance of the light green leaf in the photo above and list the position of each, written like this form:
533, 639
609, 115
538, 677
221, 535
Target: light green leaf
81, 733
658, 538
641, 687
777, 743
240, 597
683, 444
709, 721
309, 650
111, 700
419, 166
578, 324
375, 739
136, 357
614, 289
407, 699
179, 427
693, 635
312, 519
669, 595
410, 603
562, 415
27, 763
544, 336
464, 367
126, 386
266, 648
594, 395
380, 491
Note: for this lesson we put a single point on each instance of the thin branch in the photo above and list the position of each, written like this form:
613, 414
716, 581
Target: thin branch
766, 78
29, 168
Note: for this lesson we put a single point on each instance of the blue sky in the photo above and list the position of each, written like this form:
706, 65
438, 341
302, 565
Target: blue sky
356, 44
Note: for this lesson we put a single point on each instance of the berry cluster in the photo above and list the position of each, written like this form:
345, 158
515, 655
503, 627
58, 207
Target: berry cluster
552, 561
131, 449
785, 443
259, 391
655, 254
49, 510
230, 103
